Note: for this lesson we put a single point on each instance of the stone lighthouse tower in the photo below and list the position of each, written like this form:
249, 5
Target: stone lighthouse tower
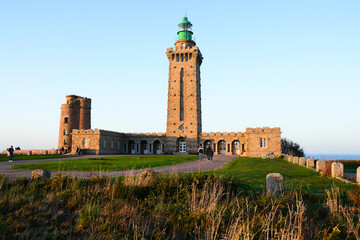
184, 124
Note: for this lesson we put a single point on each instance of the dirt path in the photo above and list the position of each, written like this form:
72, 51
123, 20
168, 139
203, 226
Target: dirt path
186, 167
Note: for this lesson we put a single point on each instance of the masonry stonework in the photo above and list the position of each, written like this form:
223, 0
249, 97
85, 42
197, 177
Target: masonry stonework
184, 122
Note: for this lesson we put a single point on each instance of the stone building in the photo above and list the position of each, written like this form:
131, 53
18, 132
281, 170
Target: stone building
184, 123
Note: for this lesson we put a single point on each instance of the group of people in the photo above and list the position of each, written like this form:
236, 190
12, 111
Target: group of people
208, 151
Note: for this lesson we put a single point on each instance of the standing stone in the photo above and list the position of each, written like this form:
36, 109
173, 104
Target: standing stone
302, 161
337, 169
290, 158
310, 163
274, 183
358, 175
40, 173
320, 166
296, 160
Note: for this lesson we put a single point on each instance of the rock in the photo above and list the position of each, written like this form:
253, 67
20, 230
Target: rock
310, 163
302, 161
337, 169
274, 183
320, 166
40, 173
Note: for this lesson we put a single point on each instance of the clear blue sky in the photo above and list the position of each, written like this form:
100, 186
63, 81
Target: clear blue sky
288, 64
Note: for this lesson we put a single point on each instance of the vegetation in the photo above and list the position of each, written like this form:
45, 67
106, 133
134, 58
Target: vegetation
350, 166
170, 207
251, 174
291, 148
110, 163
4, 157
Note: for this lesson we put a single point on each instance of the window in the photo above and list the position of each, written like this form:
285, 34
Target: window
66, 120
262, 142
112, 143
183, 45
85, 142
105, 142
64, 132
119, 145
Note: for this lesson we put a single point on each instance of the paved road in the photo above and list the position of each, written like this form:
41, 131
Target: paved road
186, 167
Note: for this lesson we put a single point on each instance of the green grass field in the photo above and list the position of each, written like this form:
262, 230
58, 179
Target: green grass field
26, 157
350, 166
117, 163
251, 174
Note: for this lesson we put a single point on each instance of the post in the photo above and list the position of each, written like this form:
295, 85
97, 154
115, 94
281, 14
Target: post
337, 169
274, 183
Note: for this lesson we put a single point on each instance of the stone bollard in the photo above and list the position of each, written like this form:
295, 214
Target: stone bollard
40, 173
310, 163
358, 175
296, 160
290, 158
337, 169
274, 183
320, 166
302, 161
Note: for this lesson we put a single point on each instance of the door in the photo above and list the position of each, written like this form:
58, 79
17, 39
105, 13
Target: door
222, 147
236, 148
182, 146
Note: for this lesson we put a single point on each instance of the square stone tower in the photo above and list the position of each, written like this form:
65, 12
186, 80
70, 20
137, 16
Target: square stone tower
184, 123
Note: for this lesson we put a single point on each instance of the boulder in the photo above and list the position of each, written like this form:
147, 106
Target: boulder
337, 169
40, 173
274, 183
310, 163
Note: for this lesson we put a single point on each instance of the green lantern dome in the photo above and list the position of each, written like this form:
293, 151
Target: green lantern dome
185, 31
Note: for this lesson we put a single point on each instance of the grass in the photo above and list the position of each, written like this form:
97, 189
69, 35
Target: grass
350, 166
197, 206
251, 174
30, 157
117, 163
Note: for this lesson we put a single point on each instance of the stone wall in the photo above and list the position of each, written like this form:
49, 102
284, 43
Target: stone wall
33, 152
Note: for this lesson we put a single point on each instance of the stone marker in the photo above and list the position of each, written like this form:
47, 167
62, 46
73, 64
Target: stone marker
40, 173
320, 166
337, 169
296, 160
302, 161
310, 163
274, 183
358, 175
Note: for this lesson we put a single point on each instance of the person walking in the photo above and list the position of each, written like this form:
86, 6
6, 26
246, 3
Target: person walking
211, 154
207, 152
11, 153
201, 152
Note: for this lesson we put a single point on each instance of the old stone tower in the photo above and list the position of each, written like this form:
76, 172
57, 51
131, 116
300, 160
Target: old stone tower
75, 114
184, 94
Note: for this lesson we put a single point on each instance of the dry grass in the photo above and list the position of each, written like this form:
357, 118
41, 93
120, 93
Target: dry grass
149, 206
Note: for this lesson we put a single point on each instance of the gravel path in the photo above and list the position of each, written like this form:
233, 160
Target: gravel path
186, 167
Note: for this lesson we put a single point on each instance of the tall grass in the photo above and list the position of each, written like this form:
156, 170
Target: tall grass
169, 207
